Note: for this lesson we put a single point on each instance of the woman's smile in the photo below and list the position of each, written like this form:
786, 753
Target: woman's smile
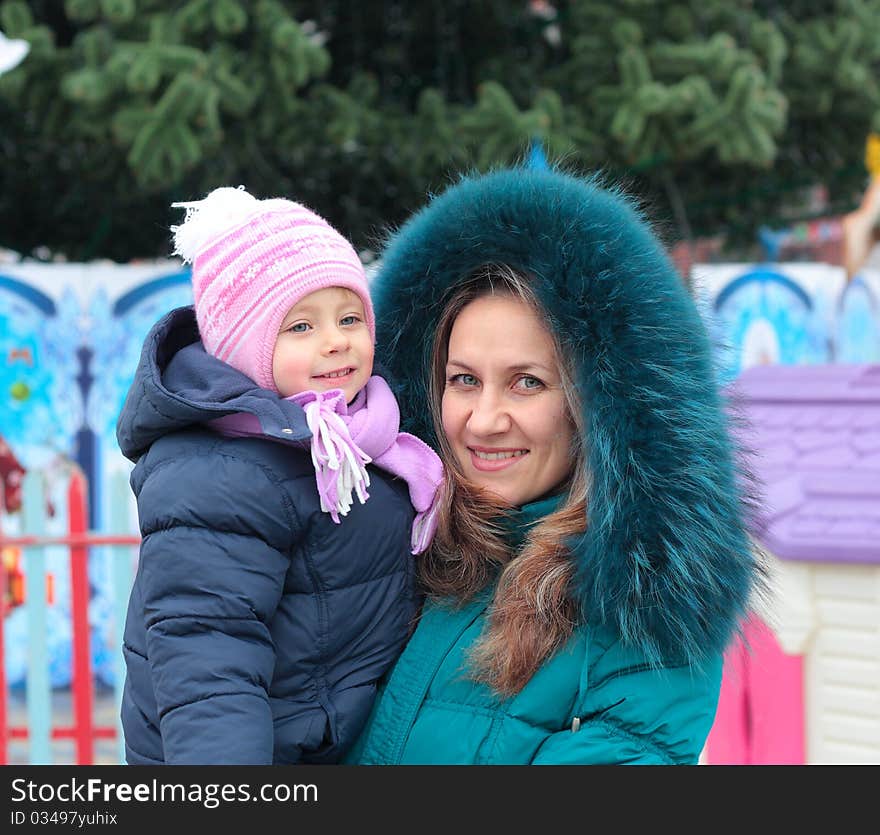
492, 460
503, 408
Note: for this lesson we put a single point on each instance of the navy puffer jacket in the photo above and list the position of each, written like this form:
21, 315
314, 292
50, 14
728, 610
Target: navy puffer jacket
257, 628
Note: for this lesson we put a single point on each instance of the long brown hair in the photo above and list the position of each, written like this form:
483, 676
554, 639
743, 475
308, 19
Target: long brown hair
532, 613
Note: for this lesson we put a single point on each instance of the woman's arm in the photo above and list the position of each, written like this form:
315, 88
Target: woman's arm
632, 713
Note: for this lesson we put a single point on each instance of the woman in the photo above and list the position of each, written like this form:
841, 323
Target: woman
592, 561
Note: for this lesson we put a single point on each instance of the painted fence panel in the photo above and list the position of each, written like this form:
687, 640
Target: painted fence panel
43, 725
39, 693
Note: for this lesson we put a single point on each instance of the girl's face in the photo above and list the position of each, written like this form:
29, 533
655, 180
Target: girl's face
324, 343
503, 409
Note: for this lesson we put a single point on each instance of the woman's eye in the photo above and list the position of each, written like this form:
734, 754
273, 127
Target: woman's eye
349, 320
529, 383
463, 380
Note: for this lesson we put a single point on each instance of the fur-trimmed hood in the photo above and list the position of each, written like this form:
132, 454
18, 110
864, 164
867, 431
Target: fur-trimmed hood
666, 557
177, 385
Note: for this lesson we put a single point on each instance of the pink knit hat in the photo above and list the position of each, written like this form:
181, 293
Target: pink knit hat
252, 260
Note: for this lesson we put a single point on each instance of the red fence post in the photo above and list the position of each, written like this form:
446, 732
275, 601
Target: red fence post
3, 717
82, 655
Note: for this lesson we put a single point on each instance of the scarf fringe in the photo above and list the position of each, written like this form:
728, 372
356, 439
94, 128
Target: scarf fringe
340, 464
425, 526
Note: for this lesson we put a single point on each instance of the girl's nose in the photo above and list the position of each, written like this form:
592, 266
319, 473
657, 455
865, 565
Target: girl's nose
336, 341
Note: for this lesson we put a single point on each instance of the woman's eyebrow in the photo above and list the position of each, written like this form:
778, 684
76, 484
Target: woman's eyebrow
529, 366
519, 368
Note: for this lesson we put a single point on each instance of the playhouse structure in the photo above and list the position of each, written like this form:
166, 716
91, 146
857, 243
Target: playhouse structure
807, 689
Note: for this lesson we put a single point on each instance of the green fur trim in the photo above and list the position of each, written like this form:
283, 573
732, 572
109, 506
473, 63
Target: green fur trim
666, 556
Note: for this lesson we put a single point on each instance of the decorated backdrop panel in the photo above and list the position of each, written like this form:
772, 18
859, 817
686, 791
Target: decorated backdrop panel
71, 334
794, 314
70, 337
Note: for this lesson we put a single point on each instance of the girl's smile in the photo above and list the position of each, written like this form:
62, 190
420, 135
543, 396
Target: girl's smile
340, 376
324, 343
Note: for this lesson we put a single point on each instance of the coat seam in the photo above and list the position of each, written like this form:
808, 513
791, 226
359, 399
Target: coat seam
206, 696
644, 745
270, 476
203, 617
444, 704
633, 669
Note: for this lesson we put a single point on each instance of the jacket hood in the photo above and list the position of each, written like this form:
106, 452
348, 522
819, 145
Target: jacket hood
177, 384
666, 558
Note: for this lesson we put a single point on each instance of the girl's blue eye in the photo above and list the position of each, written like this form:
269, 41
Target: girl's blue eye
349, 320
299, 327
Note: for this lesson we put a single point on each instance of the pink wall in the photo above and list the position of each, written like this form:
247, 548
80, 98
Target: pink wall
760, 718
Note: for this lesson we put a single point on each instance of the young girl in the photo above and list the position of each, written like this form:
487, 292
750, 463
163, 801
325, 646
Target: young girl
279, 504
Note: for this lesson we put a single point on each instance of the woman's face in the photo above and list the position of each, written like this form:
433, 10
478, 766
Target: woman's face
503, 409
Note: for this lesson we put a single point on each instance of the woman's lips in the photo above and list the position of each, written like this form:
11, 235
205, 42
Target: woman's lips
493, 460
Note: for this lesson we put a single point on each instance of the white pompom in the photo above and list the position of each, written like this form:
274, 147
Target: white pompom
223, 209
12, 53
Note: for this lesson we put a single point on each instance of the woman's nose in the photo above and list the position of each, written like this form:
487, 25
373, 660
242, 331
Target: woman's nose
488, 416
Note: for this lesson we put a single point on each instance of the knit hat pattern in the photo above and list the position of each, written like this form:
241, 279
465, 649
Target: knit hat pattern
252, 261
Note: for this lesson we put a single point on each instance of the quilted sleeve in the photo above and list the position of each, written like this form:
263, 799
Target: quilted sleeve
215, 551
634, 714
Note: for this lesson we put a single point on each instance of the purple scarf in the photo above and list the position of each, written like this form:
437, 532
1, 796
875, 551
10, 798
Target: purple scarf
345, 438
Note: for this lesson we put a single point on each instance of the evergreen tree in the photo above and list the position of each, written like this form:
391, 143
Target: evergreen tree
719, 114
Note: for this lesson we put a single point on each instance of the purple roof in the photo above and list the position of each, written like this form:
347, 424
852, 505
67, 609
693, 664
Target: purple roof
815, 431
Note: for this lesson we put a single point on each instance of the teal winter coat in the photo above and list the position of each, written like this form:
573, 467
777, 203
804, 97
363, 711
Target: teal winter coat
664, 570
595, 702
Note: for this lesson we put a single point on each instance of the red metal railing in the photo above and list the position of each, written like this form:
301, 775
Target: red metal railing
79, 540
